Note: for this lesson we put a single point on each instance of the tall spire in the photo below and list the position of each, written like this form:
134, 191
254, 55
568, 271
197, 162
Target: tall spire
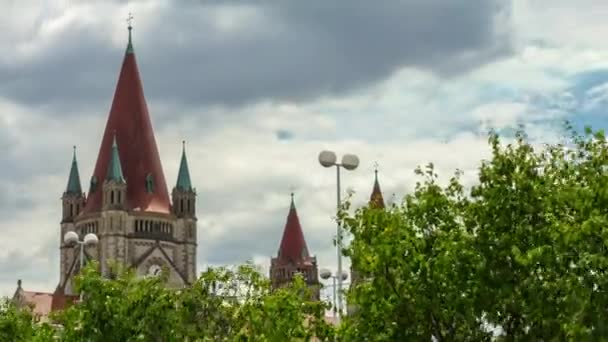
114, 168
183, 176
376, 199
74, 180
140, 160
293, 245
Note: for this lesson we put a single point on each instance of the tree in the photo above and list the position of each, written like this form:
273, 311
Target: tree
416, 259
17, 324
222, 305
524, 250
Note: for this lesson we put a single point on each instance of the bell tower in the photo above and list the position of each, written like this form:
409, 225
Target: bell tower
128, 205
184, 208
73, 202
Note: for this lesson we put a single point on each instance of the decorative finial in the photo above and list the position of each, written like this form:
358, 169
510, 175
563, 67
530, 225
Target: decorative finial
130, 21
19, 283
130, 27
291, 193
184, 145
376, 169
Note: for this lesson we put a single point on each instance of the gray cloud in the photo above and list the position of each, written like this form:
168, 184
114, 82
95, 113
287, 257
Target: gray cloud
287, 51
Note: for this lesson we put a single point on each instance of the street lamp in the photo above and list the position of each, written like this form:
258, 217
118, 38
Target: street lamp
349, 162
71, 238
326, 274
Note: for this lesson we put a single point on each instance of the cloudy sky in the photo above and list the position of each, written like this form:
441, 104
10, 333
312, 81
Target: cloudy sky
258, 88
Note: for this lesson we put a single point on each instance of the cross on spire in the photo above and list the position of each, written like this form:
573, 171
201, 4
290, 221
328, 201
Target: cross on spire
130, 21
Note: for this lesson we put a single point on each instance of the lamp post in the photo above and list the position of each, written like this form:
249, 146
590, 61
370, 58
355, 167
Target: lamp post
71, 238
349, 162
326, 274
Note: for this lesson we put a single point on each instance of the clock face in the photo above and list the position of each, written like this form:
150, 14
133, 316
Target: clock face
155, 270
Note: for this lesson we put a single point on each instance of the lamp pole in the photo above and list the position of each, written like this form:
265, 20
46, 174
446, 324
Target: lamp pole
71, 238
326, 274
349, 162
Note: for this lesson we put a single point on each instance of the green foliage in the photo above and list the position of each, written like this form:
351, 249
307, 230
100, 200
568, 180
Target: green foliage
18, 324
223, 305
523, 251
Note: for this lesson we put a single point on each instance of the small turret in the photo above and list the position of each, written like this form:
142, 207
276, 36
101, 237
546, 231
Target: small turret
293, 256
114, 186
184, 195
73, 199
376, 200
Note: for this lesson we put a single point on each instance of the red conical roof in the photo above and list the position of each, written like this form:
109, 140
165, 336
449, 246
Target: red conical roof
293, 245
130, 122
376, 200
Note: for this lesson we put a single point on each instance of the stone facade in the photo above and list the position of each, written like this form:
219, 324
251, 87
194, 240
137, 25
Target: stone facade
145, 241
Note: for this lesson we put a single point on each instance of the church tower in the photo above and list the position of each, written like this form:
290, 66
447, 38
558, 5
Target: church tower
376, 200
73, 201
128, 206
184, 209
293, 256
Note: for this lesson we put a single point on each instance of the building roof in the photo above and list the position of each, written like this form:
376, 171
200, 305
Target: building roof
376, 200
138, 154
293, 245
74, 187
43, 303
183, 176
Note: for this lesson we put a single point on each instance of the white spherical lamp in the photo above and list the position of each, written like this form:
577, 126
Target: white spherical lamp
350, 161
325, 274
70, 238
90, 239
327, 158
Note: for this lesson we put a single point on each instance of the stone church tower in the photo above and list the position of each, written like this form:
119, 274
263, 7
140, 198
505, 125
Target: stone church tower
293, 256
128, 206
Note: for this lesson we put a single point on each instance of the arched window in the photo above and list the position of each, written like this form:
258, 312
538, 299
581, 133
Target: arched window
112, 197
181, 205
119, 197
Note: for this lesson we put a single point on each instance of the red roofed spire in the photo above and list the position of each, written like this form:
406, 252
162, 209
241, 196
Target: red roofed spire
376, 200
138, 153
293, 245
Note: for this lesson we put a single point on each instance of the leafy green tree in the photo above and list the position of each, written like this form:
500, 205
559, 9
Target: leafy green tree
417, 260
523, 251
223, 305
17, 324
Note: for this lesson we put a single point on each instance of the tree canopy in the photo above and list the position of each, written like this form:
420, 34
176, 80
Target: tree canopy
223, 305
520, 255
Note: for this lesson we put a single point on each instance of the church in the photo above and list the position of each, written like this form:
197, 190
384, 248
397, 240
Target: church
137, 221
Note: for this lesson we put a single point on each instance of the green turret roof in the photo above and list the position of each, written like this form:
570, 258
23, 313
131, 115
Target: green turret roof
130, 44
183, 176
114, 168
74, 180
